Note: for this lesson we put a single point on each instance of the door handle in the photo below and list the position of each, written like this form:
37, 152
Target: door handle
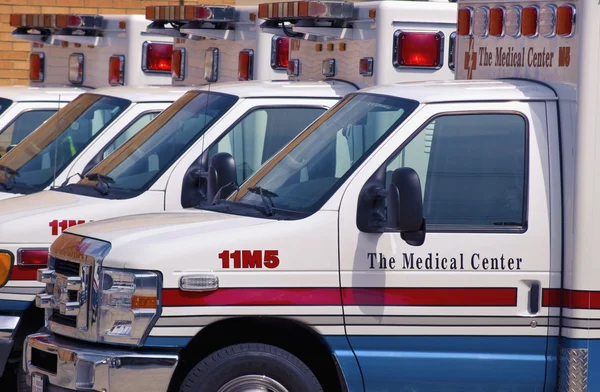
534, 297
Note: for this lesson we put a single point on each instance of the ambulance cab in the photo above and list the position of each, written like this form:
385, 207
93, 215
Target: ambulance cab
70, 55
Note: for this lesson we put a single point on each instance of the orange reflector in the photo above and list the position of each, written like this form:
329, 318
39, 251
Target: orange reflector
142, 302
245, 64
497, 22
565, 20
529, 21
36, 67
465, 21
6, 262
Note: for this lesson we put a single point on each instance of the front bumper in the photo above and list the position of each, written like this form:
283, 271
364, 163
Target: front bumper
73, 365
8, 325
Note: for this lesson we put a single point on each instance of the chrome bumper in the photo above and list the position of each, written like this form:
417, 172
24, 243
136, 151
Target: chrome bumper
8, 325
75, 365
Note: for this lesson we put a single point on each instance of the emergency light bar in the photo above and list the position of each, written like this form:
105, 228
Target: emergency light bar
56, 21
295, 10
190, 13
515, 21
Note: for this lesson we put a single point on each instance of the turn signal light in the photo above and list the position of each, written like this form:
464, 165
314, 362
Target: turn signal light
6, 262
36, 67
529, 21
143, 302
116, 70
32, 257
280, 52
465, 21
422, 49
565, 20
497, 21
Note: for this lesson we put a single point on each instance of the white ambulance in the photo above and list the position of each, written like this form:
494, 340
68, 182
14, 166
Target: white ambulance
451, 246
72, 54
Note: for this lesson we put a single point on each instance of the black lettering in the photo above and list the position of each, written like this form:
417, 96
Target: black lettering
419, 263
406, 262
429, 262
511, 263
372, 257
519, 260
392, 263
473, 265
382, 262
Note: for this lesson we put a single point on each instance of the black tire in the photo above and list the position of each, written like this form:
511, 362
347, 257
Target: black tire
229, 363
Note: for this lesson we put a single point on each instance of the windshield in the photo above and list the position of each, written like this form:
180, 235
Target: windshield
306, 173
4, 104
34, 163
135, 165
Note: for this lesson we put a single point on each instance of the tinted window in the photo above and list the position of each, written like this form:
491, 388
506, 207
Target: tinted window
23, 125
472, 170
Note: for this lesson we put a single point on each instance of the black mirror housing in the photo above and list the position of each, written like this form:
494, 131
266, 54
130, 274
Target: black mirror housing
405, 205
222, 177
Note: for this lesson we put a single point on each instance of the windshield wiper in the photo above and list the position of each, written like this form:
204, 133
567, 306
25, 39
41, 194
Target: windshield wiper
102, 182
65, 182
266, 197
10, 174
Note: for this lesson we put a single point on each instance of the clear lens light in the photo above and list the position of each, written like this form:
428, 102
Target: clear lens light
547, 21
481, 20
512, 27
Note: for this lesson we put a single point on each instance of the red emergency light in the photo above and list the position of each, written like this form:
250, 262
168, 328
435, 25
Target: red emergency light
32, 257
36, 67
497, 21
365, 66
465, 21
529, 21
565, 20
178, 64
280, 52
157, 57
418, 49
246, 64
116, 70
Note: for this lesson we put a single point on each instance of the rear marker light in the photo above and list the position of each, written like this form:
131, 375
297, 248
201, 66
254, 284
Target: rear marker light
481, 22
529, 21
512, 25
178, 64
76, 68
36, 67
565, 20
32, 257
365, 66
246, 64
157, 57
211, 65
418, 49
497, 21
465, 21
280, 52
116, 70
328, 68
293, 67
547, 23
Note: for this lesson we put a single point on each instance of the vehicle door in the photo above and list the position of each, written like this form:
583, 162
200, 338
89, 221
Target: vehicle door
462, 311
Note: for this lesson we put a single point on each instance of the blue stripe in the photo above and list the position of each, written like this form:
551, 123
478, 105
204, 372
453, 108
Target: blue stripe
345, 357
167, 341
451, 363
7, 304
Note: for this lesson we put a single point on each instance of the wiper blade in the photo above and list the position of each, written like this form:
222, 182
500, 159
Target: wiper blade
102, 182
266, 197
65, 182
10, 174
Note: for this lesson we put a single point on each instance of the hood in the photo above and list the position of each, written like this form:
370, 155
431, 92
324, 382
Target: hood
40, 217
135, 238
8, 195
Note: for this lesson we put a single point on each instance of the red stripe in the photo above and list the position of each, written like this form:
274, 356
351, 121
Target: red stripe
351, 296
431, 296
572, 299
252, 296
23, 273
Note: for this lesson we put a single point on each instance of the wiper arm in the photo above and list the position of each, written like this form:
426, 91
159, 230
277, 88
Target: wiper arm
266, 197
102, 182
65, 182
10, 174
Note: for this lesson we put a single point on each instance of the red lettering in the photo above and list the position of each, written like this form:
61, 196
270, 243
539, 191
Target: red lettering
224, 256
72, 223
63, 225
251, 259
237, 259
81, 222
54, 225
271, 258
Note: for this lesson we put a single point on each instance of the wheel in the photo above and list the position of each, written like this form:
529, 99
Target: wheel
251, 367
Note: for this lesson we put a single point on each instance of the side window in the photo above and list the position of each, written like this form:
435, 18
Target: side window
262, 133
472, 169
22, 126
131, 130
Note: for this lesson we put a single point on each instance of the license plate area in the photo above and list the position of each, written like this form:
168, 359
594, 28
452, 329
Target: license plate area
38, 383
43, 360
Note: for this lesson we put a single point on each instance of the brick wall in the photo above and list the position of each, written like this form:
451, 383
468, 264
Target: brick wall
14, 54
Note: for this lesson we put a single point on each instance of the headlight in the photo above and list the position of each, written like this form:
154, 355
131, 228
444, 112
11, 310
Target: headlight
128, 305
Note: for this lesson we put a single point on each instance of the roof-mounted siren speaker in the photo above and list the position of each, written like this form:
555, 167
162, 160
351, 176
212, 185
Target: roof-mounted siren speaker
37, 64
157, 57
418, 49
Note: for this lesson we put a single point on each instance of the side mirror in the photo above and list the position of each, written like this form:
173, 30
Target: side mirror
221, 177
405, 206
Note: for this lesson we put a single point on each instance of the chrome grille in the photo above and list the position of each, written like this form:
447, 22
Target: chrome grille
66, 268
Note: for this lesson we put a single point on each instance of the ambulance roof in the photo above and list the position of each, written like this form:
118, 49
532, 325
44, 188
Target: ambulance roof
164, 93
465, 91
40, 94
263, 89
